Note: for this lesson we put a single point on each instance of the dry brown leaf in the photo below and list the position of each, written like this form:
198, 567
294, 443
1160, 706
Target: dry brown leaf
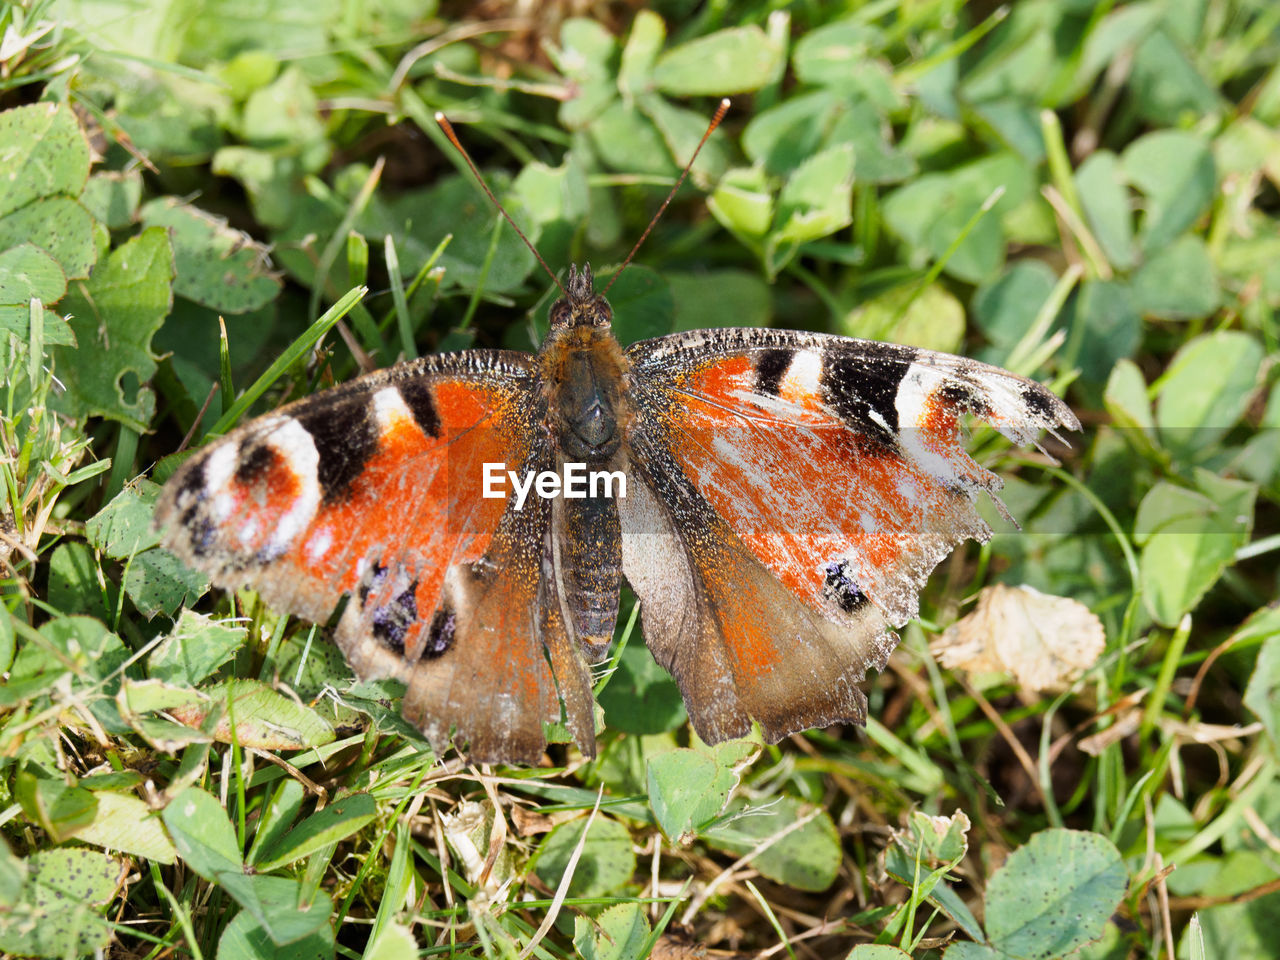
1044, 641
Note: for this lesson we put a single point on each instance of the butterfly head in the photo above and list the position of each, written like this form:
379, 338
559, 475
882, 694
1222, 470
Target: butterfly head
580, 306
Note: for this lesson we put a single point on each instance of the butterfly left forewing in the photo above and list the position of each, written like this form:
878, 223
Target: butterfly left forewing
373, 491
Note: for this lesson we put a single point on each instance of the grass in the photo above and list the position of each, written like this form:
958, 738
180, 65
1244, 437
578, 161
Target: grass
1086, 194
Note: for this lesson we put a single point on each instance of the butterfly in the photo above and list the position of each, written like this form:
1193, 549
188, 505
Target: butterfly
775, 499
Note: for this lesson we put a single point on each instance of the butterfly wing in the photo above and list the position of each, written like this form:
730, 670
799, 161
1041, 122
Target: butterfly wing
800, 488
374, 491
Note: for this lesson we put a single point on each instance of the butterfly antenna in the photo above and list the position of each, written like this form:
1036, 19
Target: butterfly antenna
715, 122
447, 127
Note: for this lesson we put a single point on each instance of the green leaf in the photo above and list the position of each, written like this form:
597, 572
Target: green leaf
26, 271
937, 839
806, 858
607, 860
642, 305
878, 951
123, 527
17, 320
123, 822
551, 194
66, 893
335, 822
1105, 327
202, 834
681, 131
1166, 86
932, 212
644, 43
1004, 308
734, 60
1178, 281
832, 54
8, 640
112, 197
392, 942
641, 697
263, 718
246, 939
783, 137
60, 227
1127, 402
1054, 894
196, 647
1263, 693
274, 183
277, 817
57, 808
742, 202
419, 220
121, 307
1175, 170
933, 318
620, 932
157, 581
689, 788
277, 904
966, 950
627, 140
586, 56
1020, 58
815, 202
719, 298
284, 119
216, 266
920, 856
139, 697
1104, 194
79, 644
1208, 387
13, 875
1119, 31
43, 152
1189, 537
1237, 929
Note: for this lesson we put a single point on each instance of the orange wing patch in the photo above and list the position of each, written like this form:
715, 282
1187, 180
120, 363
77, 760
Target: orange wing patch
416, 504
839, 509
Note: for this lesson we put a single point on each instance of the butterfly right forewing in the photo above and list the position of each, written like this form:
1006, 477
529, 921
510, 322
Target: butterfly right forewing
814, 483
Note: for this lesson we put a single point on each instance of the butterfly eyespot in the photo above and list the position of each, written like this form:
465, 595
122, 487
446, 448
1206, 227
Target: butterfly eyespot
842, 588
390, 620
439, 634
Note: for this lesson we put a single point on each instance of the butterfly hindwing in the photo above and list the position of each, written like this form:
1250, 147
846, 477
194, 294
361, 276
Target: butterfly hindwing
373, 491
740, 645
826, 474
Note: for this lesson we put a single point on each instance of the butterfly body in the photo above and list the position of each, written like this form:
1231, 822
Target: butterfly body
786, 496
